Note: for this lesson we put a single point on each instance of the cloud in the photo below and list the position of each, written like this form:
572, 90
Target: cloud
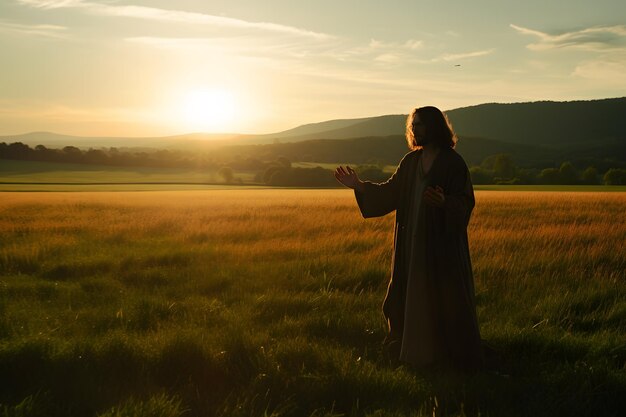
380, 52
369, 58
174, 16
265, 49
465, 55
50, 4
408, 52
45, 31
605, 71
283, 51
592, 39
388, 58
411, 44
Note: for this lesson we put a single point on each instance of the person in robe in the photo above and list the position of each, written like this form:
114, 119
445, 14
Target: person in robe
430, 305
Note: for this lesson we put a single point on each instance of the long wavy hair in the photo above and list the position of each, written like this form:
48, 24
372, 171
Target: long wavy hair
438, 128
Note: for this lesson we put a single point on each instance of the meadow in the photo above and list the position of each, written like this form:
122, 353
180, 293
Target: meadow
268, 303
49, 172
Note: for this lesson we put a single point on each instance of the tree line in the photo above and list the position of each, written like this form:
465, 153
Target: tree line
110, 156
495, 169
501, 169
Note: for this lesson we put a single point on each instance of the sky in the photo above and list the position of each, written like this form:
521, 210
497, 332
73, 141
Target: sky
156, 68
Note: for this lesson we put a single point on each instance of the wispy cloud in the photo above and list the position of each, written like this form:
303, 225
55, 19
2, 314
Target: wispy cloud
339, 52
45, 31
612, 71
50, 4
368, 58
248, 46
409, 52
383, 53
174, 16
464, 55
593, 39
411, 44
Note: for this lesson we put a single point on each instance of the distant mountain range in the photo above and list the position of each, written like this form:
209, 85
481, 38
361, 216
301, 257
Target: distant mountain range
543, 123
537, 132
56, 140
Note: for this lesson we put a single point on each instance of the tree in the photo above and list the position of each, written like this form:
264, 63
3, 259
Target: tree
590, 176
72, 154
615, 176
96, 156
568, 174
253, 163
372, 173
269, 172
481, 175
549, 176
17, 150
284, 161
226, 173
503, 166
489, 162
527, 175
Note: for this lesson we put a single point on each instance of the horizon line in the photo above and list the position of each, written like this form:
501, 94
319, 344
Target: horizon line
235, 134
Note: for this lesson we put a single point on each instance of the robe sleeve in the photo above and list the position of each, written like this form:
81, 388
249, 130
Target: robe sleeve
459, 198
378, 199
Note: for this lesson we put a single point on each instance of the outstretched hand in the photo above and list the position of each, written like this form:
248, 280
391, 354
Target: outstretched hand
434, 196
347, 176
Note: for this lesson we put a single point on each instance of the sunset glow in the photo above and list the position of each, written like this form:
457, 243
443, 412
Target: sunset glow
207, 110
96, 67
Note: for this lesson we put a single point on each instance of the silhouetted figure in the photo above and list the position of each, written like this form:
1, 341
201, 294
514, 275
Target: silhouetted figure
429, 306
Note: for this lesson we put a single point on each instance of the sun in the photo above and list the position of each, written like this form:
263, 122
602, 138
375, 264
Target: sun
208, 110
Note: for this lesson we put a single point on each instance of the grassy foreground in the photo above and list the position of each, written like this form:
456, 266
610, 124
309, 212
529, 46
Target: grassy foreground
268, 302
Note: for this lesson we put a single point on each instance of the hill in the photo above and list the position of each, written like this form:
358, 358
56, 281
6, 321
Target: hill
544, 123
386, 150
351, 128
311, 129
537, 134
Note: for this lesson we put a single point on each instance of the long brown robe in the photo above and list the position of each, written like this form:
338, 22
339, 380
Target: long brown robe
430, 278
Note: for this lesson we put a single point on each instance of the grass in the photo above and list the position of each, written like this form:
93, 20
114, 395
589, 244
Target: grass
386, 168
107, 187
566, 188
268, 302
48, 172
47, 176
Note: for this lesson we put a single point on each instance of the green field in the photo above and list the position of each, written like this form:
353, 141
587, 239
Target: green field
268, 303
64, 187
45, 176
90, 187
564, 188
387, 168
47, 172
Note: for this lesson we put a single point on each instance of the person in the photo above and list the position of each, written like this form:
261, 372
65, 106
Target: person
430, 304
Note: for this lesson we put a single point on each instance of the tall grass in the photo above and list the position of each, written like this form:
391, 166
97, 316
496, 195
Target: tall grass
268, 302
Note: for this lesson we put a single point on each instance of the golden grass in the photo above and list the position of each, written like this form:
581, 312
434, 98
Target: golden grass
293, 280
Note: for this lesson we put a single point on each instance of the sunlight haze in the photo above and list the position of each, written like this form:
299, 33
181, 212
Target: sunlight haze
156, 68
